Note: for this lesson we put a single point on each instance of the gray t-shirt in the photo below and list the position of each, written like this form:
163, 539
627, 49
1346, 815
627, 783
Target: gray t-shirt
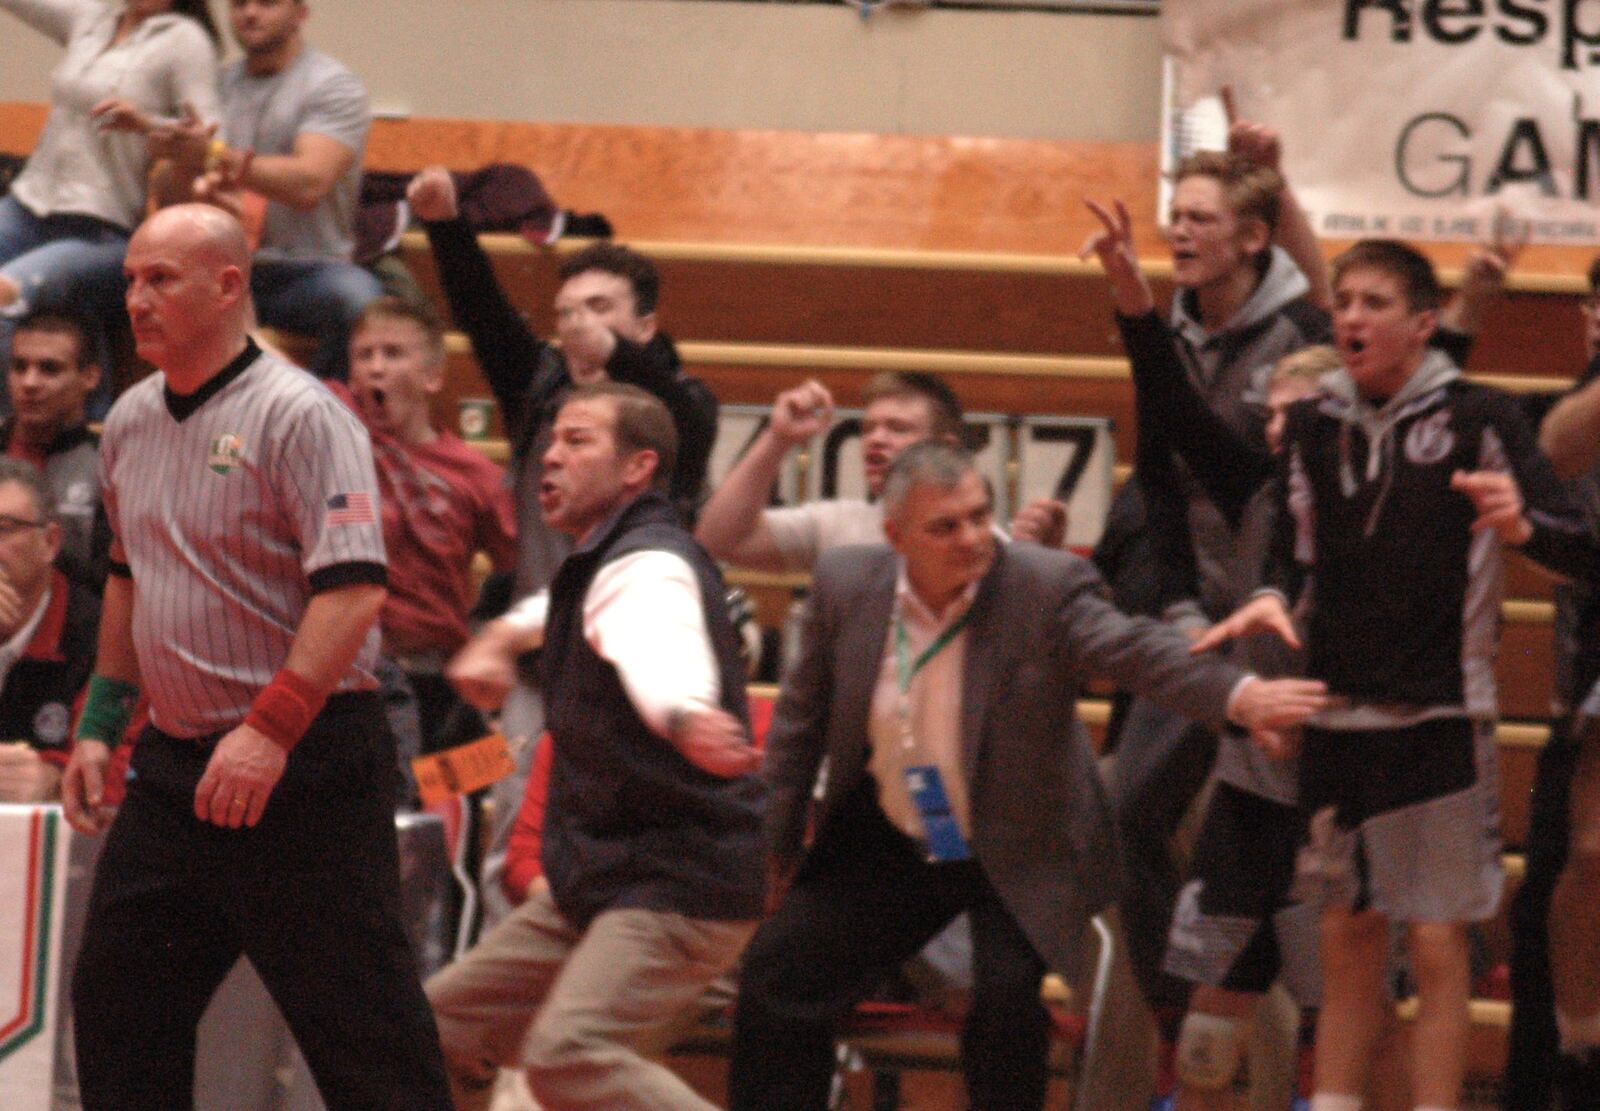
313, 95
803, 532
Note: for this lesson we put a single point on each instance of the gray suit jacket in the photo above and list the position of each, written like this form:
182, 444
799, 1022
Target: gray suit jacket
1041, 622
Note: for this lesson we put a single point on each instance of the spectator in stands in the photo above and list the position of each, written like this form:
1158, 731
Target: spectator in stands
652, 844
1553, 919
69, 213
606, 325
1251, 287
1406, 482
912, 826
51, 376
48, 627
1232, 471
294, 128
1236, 930
739, 527
443, 502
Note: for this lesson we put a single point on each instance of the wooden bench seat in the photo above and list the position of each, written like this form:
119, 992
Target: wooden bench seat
969, 301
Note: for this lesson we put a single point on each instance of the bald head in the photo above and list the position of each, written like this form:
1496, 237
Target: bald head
204, 233
188, 271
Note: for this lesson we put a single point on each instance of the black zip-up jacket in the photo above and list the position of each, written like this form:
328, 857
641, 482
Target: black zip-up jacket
529, 379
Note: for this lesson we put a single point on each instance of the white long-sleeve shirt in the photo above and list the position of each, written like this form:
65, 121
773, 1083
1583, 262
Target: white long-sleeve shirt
643, 615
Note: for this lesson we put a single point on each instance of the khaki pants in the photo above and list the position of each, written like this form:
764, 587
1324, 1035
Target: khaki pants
582, 1011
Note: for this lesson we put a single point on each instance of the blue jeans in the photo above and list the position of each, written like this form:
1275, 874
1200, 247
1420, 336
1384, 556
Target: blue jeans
66, 262
45, 256
315, 298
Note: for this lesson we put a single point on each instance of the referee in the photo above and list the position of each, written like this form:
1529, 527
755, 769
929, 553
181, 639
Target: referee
247, 574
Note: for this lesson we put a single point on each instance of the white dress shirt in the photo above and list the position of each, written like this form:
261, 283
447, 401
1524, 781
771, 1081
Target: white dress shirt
923, 727
642, 614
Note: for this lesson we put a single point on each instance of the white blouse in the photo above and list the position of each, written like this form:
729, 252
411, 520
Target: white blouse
76, 168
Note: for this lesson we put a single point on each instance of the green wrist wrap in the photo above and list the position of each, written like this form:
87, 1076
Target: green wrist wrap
106, 710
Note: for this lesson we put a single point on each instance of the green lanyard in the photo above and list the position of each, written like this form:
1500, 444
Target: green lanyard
904, 666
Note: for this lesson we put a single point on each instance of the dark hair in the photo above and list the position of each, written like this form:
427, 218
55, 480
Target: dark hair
62, 323
943, 403
1252, 189
1594, 275
389, 307
624, 262
1401, 261
643, 424
26, 475
200, 12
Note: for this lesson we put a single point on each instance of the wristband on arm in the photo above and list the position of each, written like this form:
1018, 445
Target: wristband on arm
107, 706
284, 709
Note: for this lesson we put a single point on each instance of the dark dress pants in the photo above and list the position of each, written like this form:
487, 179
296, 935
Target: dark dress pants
1163, 760
865, 900
310, 895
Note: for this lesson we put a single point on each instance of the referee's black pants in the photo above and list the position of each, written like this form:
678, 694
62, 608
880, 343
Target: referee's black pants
865, 900
311, 895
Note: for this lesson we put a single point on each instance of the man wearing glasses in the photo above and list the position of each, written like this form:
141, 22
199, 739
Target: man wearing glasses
47, 636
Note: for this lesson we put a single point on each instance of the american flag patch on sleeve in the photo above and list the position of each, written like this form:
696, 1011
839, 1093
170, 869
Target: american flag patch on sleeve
351, 509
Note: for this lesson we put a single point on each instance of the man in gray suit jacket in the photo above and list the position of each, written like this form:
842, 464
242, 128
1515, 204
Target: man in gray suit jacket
935, 692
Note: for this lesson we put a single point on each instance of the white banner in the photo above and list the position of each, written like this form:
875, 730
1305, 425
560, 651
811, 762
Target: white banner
33, 882
1412, 118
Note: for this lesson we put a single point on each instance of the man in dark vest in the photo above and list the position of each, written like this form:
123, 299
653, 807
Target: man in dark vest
652, 839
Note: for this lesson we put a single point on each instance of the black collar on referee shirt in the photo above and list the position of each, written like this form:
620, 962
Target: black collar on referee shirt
182, 406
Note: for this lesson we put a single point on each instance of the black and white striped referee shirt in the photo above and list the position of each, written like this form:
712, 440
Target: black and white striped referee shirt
230, 508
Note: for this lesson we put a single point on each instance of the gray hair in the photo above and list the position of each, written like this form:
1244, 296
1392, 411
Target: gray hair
931, 463
31, 479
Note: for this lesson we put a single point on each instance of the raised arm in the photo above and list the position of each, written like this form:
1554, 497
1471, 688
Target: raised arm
732, 525
1228, 467
504, 345
52, 18
1294, 233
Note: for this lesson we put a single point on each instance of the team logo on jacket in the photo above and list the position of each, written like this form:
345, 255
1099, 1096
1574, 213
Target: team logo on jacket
1430, 439
51, 722
227, 451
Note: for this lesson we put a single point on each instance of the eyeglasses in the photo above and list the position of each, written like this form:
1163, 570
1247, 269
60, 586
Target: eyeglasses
10, 526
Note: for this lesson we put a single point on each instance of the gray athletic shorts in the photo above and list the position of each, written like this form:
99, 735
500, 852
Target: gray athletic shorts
1404, 821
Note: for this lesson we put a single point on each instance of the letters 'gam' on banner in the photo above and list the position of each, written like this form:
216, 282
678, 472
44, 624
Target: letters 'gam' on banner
1406, 118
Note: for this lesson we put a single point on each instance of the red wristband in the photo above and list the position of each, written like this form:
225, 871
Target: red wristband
284, 709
